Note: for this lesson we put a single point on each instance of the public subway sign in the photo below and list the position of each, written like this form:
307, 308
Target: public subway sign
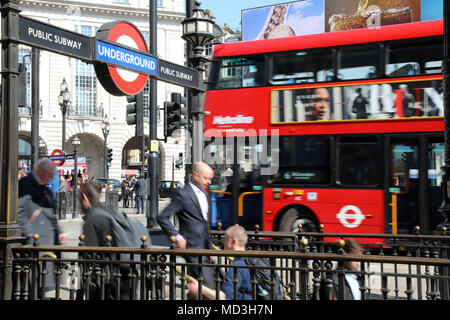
118, 52
179, 75
54, 39
122, 62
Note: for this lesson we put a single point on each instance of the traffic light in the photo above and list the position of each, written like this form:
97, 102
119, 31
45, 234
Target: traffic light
135, 115
174, 113
110, 151
179, 161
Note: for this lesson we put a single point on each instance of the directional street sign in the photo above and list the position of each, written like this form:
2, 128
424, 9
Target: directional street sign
48, 37
180, 75
118, 51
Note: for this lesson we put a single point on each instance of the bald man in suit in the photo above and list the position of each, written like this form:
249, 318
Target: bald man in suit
191, 205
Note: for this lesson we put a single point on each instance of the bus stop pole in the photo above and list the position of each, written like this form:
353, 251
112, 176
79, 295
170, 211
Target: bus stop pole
444, 209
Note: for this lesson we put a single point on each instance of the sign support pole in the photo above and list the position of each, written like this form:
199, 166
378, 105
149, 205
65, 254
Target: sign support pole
10, 232
35, 106
444, 209
189, 143
153, 160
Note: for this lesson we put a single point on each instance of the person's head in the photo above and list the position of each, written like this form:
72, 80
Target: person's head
22, 173
89, 193
321, 103
353, 247
202, 174
45, 170
235, 238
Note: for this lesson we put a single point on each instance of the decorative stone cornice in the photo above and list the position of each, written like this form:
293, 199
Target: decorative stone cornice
104, 9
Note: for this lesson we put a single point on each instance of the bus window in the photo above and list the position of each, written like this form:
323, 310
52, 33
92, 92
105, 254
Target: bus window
301, 66
241, 72
436, 156
433, 67
359, 62
414, 57
358, 160
303, 160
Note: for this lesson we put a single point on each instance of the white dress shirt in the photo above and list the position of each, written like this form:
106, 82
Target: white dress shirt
352, 280
202, 200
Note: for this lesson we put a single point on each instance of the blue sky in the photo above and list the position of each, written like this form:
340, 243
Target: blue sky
229, 12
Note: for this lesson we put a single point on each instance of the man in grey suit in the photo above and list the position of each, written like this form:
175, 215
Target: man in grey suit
140, 191
192, 207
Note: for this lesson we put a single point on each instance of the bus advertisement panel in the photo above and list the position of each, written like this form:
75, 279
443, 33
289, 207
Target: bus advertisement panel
399, 99
305, 17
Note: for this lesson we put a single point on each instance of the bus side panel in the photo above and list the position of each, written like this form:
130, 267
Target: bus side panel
339, 210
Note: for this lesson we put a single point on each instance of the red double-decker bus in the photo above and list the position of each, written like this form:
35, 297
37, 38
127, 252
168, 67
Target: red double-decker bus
343, 129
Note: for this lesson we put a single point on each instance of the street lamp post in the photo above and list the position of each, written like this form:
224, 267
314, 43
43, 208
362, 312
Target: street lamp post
75, 144
64, 102
106, 127
198, 31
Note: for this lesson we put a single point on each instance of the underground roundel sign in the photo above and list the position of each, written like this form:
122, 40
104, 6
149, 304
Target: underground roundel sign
122, 62
350, 216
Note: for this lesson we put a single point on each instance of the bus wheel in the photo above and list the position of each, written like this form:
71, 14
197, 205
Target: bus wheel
292, 218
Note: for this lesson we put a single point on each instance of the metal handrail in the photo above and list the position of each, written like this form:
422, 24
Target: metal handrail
297, 268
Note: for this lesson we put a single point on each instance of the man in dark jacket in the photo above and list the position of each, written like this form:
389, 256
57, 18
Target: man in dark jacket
140, 191
191, 206
352, 281
37, 213
99, 222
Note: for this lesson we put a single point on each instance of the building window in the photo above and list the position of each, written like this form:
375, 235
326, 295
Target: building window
121, 1
85, 102
159, 3
146, 38
25, 57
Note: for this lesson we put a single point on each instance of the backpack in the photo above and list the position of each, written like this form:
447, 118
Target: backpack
128, 233
263, 277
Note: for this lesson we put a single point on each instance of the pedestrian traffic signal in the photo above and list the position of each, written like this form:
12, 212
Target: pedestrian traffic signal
110, 151
174, 113
135, 115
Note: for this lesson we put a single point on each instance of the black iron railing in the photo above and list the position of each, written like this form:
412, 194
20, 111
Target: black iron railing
59, 272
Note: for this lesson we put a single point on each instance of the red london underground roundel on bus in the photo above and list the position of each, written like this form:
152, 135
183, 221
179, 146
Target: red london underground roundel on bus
120, 81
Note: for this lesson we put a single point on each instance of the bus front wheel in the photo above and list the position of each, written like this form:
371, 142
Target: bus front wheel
293, 217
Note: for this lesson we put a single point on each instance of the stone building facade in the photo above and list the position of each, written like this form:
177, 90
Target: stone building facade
90, 103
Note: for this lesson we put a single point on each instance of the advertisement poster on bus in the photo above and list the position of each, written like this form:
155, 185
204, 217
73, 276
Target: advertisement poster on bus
283, 20
317, 16
358, 102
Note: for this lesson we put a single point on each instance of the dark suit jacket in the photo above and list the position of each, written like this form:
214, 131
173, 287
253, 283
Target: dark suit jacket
193, 226
32, 196
40, 194
335, 291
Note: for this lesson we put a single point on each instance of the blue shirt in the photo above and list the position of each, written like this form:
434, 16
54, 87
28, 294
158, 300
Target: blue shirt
244, 287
